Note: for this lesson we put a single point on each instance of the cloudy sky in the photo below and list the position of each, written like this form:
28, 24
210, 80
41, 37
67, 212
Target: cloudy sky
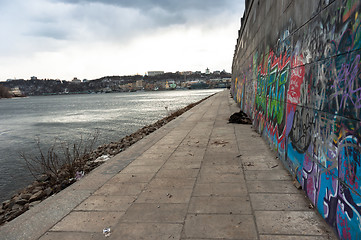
94, 38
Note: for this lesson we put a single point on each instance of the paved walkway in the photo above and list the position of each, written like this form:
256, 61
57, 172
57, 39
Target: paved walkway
195, 178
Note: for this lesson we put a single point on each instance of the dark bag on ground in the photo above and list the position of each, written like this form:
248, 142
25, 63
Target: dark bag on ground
240, 118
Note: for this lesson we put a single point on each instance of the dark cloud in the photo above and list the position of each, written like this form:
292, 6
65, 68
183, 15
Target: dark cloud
161, 13
47, 23
48, 27
58, 34
169, 5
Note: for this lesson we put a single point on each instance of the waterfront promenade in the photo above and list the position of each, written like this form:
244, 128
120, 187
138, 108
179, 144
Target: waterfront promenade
197, 177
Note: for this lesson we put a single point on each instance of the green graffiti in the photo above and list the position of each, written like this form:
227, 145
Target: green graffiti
276, 94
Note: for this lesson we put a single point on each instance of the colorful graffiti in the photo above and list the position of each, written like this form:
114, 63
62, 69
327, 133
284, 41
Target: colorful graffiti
347, 92
270, 93
303, 92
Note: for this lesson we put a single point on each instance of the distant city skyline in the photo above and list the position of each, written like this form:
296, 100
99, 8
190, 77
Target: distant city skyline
148, 73
88, 39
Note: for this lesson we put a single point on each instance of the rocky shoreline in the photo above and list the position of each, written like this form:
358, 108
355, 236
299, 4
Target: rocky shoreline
47, 185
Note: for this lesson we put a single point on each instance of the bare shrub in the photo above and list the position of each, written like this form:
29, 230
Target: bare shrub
62, 159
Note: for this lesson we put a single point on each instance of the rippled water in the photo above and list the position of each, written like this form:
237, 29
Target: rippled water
24, 120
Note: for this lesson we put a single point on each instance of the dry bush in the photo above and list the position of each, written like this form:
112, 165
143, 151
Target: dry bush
61, 160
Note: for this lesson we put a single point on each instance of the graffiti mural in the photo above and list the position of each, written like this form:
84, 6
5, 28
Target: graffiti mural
302, 89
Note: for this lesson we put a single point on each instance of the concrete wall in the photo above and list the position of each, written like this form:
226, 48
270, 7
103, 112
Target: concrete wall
297, 73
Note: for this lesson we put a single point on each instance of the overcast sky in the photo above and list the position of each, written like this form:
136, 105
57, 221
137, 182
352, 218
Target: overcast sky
94, 38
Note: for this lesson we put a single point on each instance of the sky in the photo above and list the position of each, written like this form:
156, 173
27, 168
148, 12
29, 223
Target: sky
89, 39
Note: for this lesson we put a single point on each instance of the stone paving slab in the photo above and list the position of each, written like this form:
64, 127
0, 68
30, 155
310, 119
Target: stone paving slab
224, 226
197, 177
271, 187
147, 231
279, 202
106, 203
122, 189
225, 205
290, 222
165, 195
131, 178
171, 183
277, 174
294, 237
182, 164
220, 189
156, 212
221, 159
214, 177
72, 235
89, 221
178, 173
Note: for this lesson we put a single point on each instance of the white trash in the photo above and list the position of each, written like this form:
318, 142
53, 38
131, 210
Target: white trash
103, 158
106, 232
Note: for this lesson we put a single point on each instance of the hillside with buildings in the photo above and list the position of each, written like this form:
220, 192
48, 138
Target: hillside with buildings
153, 81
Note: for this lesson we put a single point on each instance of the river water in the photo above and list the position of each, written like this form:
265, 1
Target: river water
67, 117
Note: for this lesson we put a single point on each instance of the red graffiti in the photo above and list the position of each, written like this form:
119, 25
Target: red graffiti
281, 62
296, 79
344, 227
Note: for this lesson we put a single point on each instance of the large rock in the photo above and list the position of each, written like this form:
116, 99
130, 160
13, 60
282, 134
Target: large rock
48, 191
14, 213
113, 145
8, 204
5, 204
21, 201
17, 207
25, 196
36, 196
43, 178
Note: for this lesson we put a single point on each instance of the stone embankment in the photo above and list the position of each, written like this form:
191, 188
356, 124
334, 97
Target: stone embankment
49, 184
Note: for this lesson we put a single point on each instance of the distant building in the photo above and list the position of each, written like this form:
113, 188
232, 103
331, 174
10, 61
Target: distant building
9, 80
172, 84
75, 80
107, 90
208, 71
217, 72
33, 78
124, 87
155, 73
139, 84
186, 73
149, 86
16, 92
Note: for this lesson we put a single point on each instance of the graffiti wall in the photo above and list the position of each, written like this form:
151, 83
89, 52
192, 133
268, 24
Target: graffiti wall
297, 72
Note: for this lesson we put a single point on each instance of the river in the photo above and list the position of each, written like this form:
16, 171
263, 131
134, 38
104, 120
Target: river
67, 117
